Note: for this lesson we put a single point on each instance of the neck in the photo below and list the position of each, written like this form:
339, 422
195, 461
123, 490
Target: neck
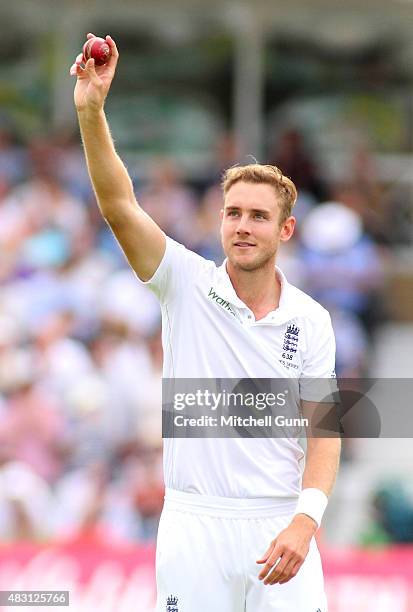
259, 289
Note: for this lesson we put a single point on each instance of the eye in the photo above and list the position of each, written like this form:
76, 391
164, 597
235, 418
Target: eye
259, 216
232, 213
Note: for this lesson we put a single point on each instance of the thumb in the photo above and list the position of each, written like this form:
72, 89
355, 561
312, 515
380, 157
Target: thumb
267, 553
90, 69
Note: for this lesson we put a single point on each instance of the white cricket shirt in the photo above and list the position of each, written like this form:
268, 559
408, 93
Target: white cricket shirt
208, 332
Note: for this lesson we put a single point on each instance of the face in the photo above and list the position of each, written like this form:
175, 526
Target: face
250, 229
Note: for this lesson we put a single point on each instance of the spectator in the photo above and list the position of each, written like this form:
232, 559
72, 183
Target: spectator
25, 498
290, 155
33, 422
206, 241
342, 264
169, 202
91, 507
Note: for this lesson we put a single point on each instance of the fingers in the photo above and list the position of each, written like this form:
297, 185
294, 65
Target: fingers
271, 561
293, 572
113, 60
76, 68
90, 35
282, 572
112, 45
91, 72
267, 553
286, 568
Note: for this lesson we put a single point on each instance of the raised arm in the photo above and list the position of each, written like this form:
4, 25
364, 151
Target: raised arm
142, 241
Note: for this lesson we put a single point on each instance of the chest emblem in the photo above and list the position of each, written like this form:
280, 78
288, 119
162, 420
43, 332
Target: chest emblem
290, 346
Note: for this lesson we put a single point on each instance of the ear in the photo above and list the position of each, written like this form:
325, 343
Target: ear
287, 229
221, 213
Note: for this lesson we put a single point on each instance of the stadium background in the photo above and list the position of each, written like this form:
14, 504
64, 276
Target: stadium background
324, 90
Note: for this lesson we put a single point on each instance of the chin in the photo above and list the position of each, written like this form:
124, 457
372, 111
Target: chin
251, 262
246, 264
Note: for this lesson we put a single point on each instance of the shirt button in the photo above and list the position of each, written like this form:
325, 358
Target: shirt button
249, 316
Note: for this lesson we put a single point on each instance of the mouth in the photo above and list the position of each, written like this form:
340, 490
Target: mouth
244, 245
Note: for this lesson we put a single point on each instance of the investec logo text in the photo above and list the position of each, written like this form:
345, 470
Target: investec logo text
220, 301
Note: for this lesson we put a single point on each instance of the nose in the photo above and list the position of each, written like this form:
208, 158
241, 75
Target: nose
243, 227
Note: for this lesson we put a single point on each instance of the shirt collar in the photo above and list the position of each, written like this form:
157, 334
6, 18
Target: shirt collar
287, 306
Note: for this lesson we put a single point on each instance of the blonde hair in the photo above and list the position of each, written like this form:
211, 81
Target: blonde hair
260, 173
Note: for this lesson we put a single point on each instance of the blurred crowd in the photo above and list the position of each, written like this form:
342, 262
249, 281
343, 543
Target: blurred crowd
80, 347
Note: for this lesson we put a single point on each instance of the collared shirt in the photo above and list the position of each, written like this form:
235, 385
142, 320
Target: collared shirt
208, 332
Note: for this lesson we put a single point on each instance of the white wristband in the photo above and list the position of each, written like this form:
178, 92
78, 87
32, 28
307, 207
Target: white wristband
313, 503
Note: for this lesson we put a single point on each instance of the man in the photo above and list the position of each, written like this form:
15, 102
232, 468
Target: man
236, 533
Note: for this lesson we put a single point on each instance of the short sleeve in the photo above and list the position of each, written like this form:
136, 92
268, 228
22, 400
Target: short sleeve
317, 380
176, 272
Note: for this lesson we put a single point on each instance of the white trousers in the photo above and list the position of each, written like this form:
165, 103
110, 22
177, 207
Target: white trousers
206, 556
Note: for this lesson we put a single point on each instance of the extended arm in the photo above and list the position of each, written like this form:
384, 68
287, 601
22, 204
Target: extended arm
142, 241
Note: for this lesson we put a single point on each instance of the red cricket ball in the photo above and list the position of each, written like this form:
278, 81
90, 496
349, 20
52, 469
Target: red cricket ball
97, 48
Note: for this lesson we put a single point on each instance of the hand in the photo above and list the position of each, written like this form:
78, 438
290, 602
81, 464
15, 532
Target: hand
93, 82
288, 551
